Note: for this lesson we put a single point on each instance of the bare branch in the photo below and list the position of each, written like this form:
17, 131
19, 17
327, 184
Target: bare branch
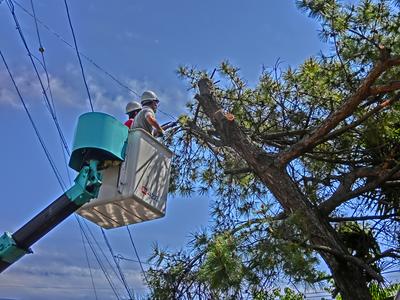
238, 171
373, 111
225, 124
352, 259
345, 110
275, 135
387, 88
363, 218
197, 131
394, 253
344, 192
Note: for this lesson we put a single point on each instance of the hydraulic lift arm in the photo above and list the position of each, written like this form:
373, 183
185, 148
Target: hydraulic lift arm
86, 187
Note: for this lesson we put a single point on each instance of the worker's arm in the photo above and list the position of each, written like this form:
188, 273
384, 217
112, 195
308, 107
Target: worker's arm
153, 122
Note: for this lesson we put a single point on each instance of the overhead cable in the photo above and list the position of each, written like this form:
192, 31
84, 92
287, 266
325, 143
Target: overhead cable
11, 7
46, 151
102, 267
137, 255
81, 53
79, 56
96, 65
101, 250
87, 259
41, 50
121, 257
64, 145
117, 264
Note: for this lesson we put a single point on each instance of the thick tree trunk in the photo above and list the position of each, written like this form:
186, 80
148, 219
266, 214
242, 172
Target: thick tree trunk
349, 277
346, 270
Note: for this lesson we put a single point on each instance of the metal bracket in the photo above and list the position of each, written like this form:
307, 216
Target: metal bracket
9, 251
87, 184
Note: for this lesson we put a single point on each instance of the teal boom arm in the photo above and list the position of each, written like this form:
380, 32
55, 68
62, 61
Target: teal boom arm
86, 186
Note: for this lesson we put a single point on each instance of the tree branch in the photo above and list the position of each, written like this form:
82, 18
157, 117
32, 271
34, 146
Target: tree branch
386, 88
238, 171
345, 110
196, 130
344, 192
373, 111
363, 218
226, 126
352, 259
277, 135
394, 253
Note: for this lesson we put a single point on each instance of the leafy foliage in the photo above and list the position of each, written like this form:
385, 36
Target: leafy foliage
350, 176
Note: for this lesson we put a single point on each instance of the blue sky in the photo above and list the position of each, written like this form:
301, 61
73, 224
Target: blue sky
142, 43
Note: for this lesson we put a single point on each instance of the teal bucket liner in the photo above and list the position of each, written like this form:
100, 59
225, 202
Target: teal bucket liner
98, 136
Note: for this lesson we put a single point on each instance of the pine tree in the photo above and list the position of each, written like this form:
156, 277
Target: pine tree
304, 167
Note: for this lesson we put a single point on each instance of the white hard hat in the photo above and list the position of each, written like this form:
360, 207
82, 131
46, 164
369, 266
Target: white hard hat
132, 106
149, 96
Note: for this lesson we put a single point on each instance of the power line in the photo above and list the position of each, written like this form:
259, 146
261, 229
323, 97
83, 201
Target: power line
77, 53
117, 264
121, 257
64, 145
137, 255
102, 267
113, 77
88, 262
46, 151
58, 176
101, 250
11, 7
52, 111
51, 108
41, 50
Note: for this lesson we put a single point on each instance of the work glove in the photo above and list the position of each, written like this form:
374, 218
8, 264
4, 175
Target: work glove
159, 133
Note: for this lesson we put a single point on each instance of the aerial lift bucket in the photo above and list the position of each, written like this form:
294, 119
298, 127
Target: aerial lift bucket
135, 174
135, 170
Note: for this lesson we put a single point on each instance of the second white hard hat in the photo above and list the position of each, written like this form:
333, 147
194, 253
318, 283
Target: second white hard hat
132, 106
149, 96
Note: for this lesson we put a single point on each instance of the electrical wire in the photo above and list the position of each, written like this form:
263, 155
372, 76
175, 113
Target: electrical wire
121, 257
49, 158
87, 260
102, 267
56, 172
117, 264
77, 53
137, 256
12, 10
113, 77
64, 145
41, 141
54, 114
57, 35
41, 50
101, 250
51, 108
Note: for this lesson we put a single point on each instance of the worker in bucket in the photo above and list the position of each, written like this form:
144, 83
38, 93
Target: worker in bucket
132, 109
146, 118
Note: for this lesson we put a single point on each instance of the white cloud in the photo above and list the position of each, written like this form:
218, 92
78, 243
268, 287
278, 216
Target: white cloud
25, 83
66, 95
31, 90
57, 275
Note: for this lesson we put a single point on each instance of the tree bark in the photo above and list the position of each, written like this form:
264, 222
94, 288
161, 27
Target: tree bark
349, 275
